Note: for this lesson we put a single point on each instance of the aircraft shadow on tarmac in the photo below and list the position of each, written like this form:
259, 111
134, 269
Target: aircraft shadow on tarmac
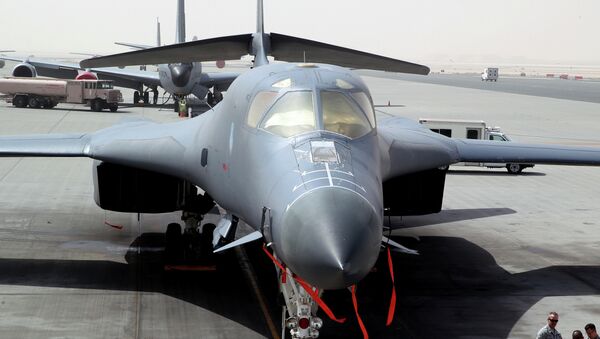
453, 287
492, 173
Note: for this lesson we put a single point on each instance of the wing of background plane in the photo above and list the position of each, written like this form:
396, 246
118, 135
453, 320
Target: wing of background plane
289, 48
410, 148
223, 48
136, 143
121, 77
282, 47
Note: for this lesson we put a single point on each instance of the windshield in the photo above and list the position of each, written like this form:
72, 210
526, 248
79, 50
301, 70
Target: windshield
291, 115
342, 116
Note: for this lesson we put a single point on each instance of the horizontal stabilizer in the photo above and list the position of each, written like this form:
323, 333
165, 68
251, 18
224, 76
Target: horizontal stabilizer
222, 48
398, 247
289, 48
134, 46
511, 152
243, 240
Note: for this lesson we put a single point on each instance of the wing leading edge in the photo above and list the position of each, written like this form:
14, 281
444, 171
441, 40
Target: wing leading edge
140, 144
510, 152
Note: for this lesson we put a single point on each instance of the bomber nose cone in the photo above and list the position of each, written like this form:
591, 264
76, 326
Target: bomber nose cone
330, 237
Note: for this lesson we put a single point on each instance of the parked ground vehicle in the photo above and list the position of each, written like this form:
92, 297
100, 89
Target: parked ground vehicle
473, 129
490, 74
47, 93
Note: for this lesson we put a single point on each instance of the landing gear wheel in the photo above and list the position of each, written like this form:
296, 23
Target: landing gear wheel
173, 242
34, 103
514, 168
146, 97
206, 239
218, 97
176, 106
210, 99
136, 97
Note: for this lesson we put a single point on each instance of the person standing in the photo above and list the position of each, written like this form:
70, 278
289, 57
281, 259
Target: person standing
590, 329
549, 331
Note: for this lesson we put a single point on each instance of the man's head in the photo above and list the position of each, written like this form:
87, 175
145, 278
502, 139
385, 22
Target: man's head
577, 334
552, 319
590, 329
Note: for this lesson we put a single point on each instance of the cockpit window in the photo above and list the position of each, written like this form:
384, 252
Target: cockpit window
363, 101
342, 116
261, 102
291, 115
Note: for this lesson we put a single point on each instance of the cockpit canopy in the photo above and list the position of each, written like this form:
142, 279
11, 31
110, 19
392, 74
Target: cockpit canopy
288, 113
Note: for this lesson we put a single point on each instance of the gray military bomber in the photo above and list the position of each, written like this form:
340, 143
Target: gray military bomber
294, 150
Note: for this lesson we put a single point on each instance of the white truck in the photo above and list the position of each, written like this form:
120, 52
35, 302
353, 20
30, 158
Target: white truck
490, 74
47, 93
473, 129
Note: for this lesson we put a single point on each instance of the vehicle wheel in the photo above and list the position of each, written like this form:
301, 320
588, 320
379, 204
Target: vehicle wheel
96, 105
136, 97
514, 168
113, 107
34, 103
210, 98
176, 106
146, 97
20, 101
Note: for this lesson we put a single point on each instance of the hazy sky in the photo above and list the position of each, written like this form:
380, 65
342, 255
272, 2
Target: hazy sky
424, 31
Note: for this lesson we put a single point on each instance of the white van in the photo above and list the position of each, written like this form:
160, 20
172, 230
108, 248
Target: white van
490, 74
472, 129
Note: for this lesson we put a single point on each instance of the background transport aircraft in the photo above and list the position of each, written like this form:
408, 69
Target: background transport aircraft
294, 150
178, 79
2, 63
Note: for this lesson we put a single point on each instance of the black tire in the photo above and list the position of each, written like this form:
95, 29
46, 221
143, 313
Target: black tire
20, 101
146, 97
34, 102
206, 239
514, 168
176, 106
136, 97
210, 99
96, 105
113, 107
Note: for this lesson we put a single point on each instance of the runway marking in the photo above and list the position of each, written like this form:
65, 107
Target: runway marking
246, 266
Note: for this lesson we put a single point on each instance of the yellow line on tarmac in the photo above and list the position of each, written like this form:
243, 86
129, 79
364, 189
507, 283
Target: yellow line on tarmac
246, 266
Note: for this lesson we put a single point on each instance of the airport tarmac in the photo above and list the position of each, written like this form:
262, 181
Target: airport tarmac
505, 251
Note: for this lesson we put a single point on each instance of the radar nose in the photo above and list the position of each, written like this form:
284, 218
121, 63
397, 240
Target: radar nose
330, 237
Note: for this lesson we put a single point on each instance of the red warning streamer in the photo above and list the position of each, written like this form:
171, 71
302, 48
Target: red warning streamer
393, 299
360, 322
313, 293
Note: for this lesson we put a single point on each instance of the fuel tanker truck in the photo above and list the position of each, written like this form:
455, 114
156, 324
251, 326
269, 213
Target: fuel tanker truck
47, 93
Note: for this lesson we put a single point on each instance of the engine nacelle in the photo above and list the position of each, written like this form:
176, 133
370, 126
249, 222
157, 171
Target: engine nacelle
24, 70
127, 189
414, 194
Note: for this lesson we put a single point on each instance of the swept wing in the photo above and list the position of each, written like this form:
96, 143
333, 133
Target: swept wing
409, 147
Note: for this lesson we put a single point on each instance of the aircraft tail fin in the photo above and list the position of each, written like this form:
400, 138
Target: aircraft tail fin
180, 33
260, 27
158, 43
